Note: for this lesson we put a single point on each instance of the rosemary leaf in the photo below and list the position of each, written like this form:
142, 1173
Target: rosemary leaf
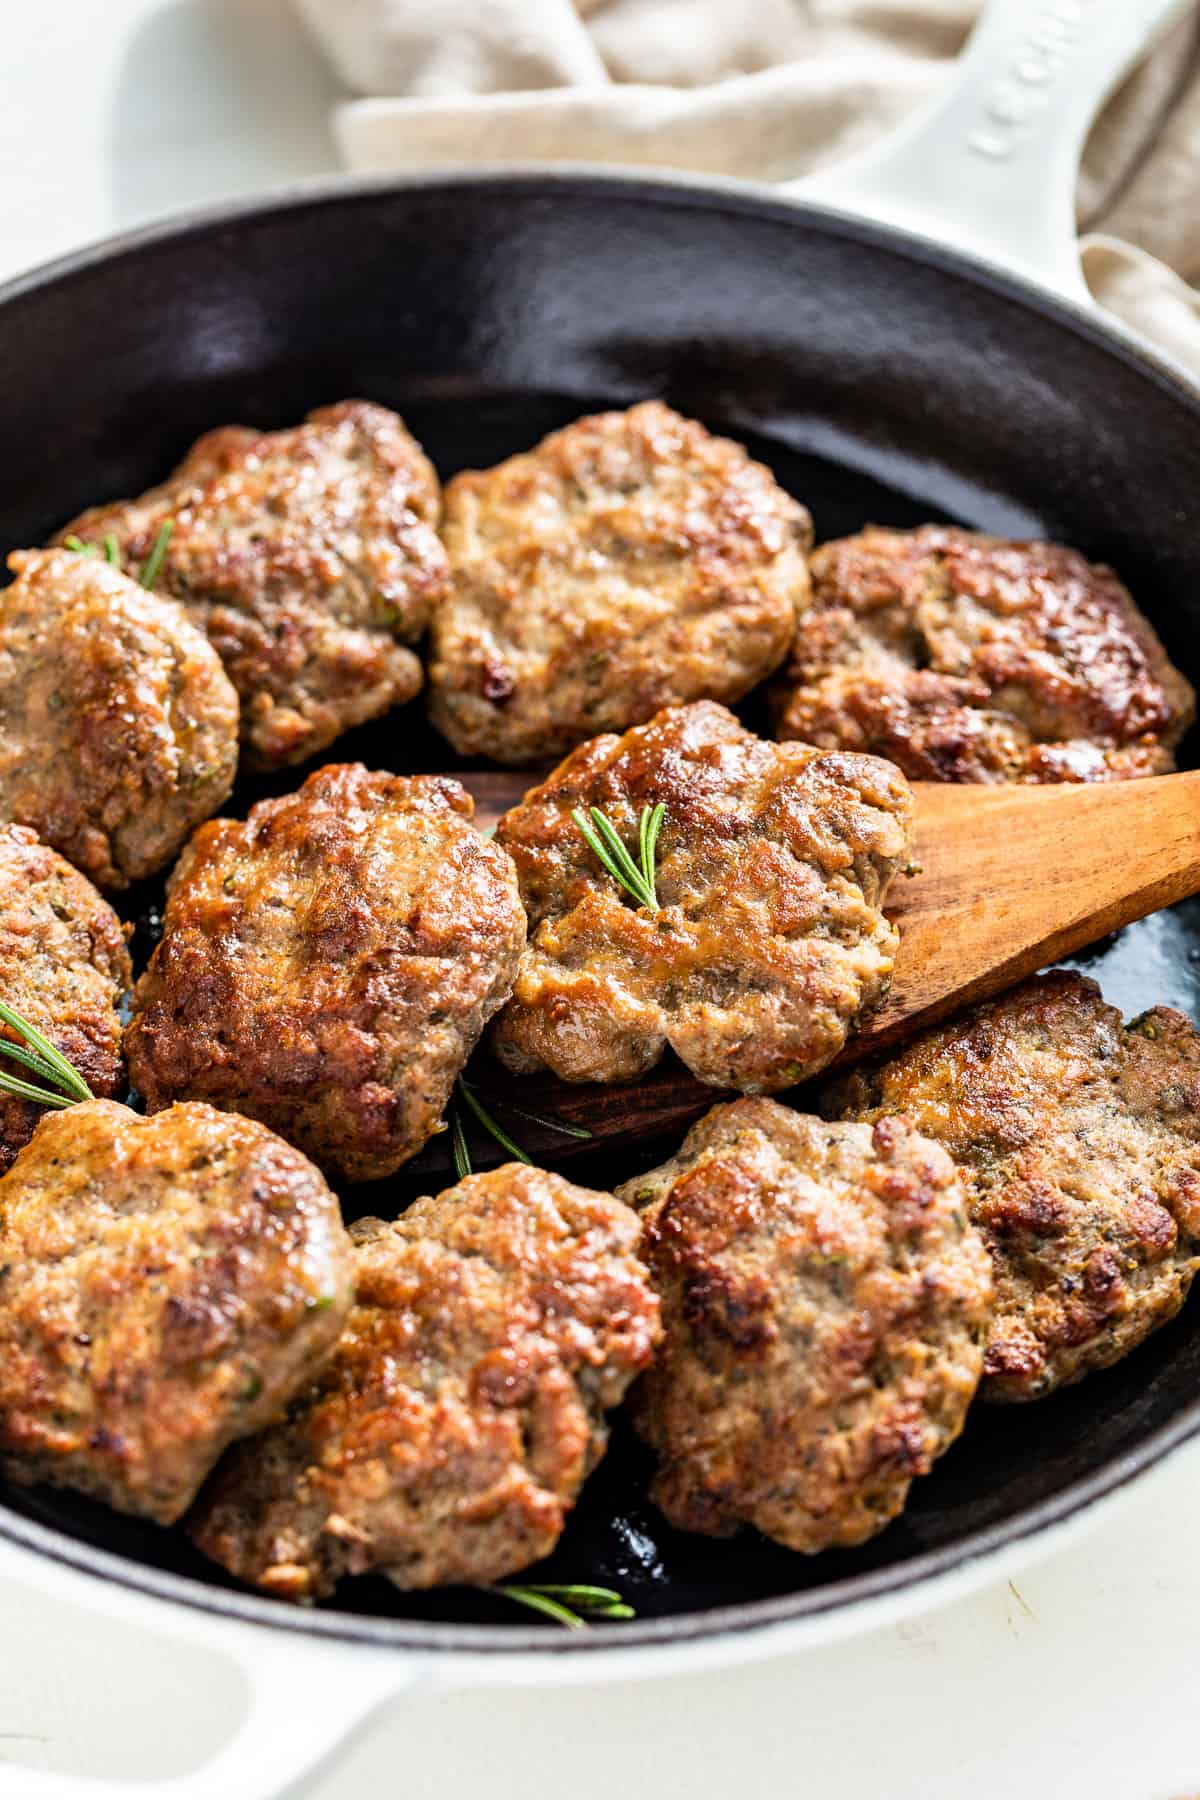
489, 1124
152, 566
25, 1090
462, 1156
38, 1064
596, 847
651, 825
643, 830
574, 1131
112, 553
79, 547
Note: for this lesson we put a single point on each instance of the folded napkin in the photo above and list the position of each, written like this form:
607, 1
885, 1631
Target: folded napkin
768, 89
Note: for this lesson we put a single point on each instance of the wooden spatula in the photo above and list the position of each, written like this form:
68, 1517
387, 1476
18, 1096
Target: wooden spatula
1011, 879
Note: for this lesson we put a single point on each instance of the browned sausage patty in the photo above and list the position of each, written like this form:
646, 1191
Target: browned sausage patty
328, 964
768, 947
166, 1285
971, 658
63, 966
447, 1440
118, 726
825, 1304
309, 556
629, 562
1079, 1138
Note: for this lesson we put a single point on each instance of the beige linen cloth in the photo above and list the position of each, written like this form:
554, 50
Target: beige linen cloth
768, 89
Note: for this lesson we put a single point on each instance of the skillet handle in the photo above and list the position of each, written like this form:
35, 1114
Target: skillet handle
304, 1701
991, 166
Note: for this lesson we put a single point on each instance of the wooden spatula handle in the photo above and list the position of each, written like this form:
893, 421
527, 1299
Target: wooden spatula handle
1013, 878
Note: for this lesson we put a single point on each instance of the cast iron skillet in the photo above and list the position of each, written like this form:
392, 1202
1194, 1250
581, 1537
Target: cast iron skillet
882, 379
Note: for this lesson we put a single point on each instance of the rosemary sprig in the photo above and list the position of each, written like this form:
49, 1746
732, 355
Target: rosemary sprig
571, 1604
151, 568
568, 1603
44, 1060
489, 1124
154, 562
474, 1105
605, 843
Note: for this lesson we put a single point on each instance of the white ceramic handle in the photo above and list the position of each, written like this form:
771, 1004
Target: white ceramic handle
302, 1707
991, 166
304, 1698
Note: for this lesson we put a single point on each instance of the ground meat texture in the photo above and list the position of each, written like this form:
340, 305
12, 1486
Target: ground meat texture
494, 1328
166, 1286
1079, 1140
769, 945
825, 1303
118, 726
311, 559
328, 964
629, 562
971, 658
63, 966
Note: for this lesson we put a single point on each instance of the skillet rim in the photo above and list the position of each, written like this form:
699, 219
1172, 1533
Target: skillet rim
707, 193
440, 1639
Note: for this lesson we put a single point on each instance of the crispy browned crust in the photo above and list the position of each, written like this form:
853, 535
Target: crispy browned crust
166, 1286
971, 658
328, 964
825, 1304
494, 1328
63, 966
629, 562
309, 556
1079, 1138
769, 946
118, 726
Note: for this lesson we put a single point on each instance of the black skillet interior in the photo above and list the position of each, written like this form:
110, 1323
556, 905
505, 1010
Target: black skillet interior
880, 384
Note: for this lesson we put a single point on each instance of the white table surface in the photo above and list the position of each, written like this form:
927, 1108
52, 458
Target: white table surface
1077, 1681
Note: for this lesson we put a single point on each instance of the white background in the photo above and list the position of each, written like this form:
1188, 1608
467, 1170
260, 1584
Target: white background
1077, 1681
